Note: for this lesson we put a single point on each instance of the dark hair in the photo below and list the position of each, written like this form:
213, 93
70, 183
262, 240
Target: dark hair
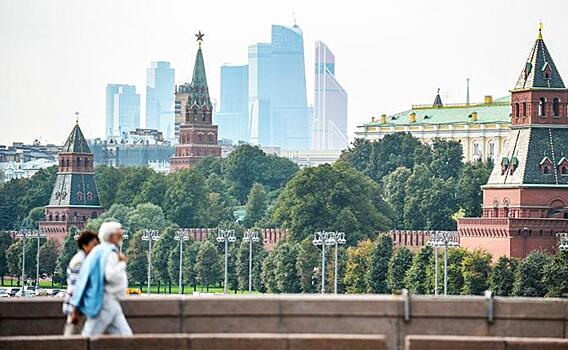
85, 238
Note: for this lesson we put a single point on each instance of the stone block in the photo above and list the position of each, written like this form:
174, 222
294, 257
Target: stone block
231, 305
330, 305
438, 342
536, 343
44, 342
336, 342
244, 341
233, 324
139, 342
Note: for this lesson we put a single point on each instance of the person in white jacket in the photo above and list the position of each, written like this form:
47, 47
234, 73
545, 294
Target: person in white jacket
111, 319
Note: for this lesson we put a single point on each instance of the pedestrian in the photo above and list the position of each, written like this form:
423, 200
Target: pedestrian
101, 285
74, 322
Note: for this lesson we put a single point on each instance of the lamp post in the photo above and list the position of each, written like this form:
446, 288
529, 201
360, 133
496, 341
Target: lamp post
336, 238
251, 237
23, 233
38, 235
226, 236
563, 244
181, 235
322, 238
446, 239
150, 235
124, 237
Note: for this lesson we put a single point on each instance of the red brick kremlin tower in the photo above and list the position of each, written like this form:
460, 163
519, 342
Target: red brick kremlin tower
197, 134
74, 198
525, 201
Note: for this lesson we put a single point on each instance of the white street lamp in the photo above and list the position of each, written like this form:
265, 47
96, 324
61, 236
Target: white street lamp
336, 238
446, 239
181, 235
251, 237
150, 235
24, 232
323, 238
226, 236
125, 236
563, 244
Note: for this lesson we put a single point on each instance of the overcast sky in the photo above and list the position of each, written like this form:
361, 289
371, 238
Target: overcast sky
56, 57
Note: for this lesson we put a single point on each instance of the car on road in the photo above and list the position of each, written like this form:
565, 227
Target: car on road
4, 293
12, 291
28, 293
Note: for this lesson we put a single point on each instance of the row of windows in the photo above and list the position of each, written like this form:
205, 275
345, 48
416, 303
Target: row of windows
78, 162
76, 217
546, 169
541, 108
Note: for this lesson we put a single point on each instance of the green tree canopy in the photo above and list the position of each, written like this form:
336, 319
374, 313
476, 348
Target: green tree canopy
555, 275
286, 273
307, 263
186, 198
356, 266
476, 269
503, 276
256, 206
48, 258
320, 198
417, 277
137, 253
208, 266
470, 195
379, 265
399, 263
529, 275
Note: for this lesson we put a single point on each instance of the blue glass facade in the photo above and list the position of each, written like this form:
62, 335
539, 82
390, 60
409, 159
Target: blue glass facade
160, 98
232, 117
122, 110
259, 58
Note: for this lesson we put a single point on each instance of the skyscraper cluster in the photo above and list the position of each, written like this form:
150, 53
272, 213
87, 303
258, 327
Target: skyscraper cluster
123, 104
277, 112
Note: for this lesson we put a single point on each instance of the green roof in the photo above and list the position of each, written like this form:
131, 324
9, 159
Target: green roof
76, 142
499, 111
539, 70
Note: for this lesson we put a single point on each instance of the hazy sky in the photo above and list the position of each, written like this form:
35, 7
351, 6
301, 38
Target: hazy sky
56, 57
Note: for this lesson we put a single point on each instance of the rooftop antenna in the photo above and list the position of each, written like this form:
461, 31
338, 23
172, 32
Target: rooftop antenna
540, 27
294, 16
467, 93
76, 118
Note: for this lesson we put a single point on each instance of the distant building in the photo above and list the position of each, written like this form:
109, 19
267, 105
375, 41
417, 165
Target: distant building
232, 117
288, 101
307, 158
482, 128
330, 99
259, 68
13, 170
122, 110
278, 110
525, 200
160, 86
197, 134
75, 198
143, 147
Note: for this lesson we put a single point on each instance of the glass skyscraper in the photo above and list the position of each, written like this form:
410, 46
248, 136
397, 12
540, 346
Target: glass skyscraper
122, 110
232, 118
288, 102
160, 98
259, 58
330, 103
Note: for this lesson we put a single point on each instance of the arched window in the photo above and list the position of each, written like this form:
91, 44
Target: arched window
67, 162
517, 111
62, 217
89, 196
545, 170
78, 161
556, 107
79, 196
564, 171
94, 215
491, 150
524, 109
476, 151
542, 107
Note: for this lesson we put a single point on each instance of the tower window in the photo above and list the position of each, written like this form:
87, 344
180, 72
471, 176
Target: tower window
524, 109
541, 107
546, 75
546, 170
564, 171
517, 110
556, 107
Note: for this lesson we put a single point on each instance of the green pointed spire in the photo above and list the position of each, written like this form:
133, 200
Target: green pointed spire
76, 142
199, 78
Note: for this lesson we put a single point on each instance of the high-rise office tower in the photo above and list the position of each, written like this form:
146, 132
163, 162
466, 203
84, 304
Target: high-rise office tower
232, 117
122, 110
259, 59
160, 98
330, 104
288, 102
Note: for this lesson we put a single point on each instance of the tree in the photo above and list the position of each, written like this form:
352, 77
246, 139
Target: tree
470, 195
117, 212
14, 258
320, 198
208, 265
399, 263
188, 264
131, 183
416, 279
394, 191
152, 190
48, 258
161, 254
503, 276
358, 154
476, 268
286, 273
137, 253
378, 270
220, 203
256, 205
455, 271
146, 216
35, 215
5, 242
358, 260
108, 179
269, 273
446, 159
529, 275
209, 165
186, 198
66, 254
307, 263
555, 275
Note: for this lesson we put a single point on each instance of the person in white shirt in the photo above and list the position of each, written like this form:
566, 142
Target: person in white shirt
110, 319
